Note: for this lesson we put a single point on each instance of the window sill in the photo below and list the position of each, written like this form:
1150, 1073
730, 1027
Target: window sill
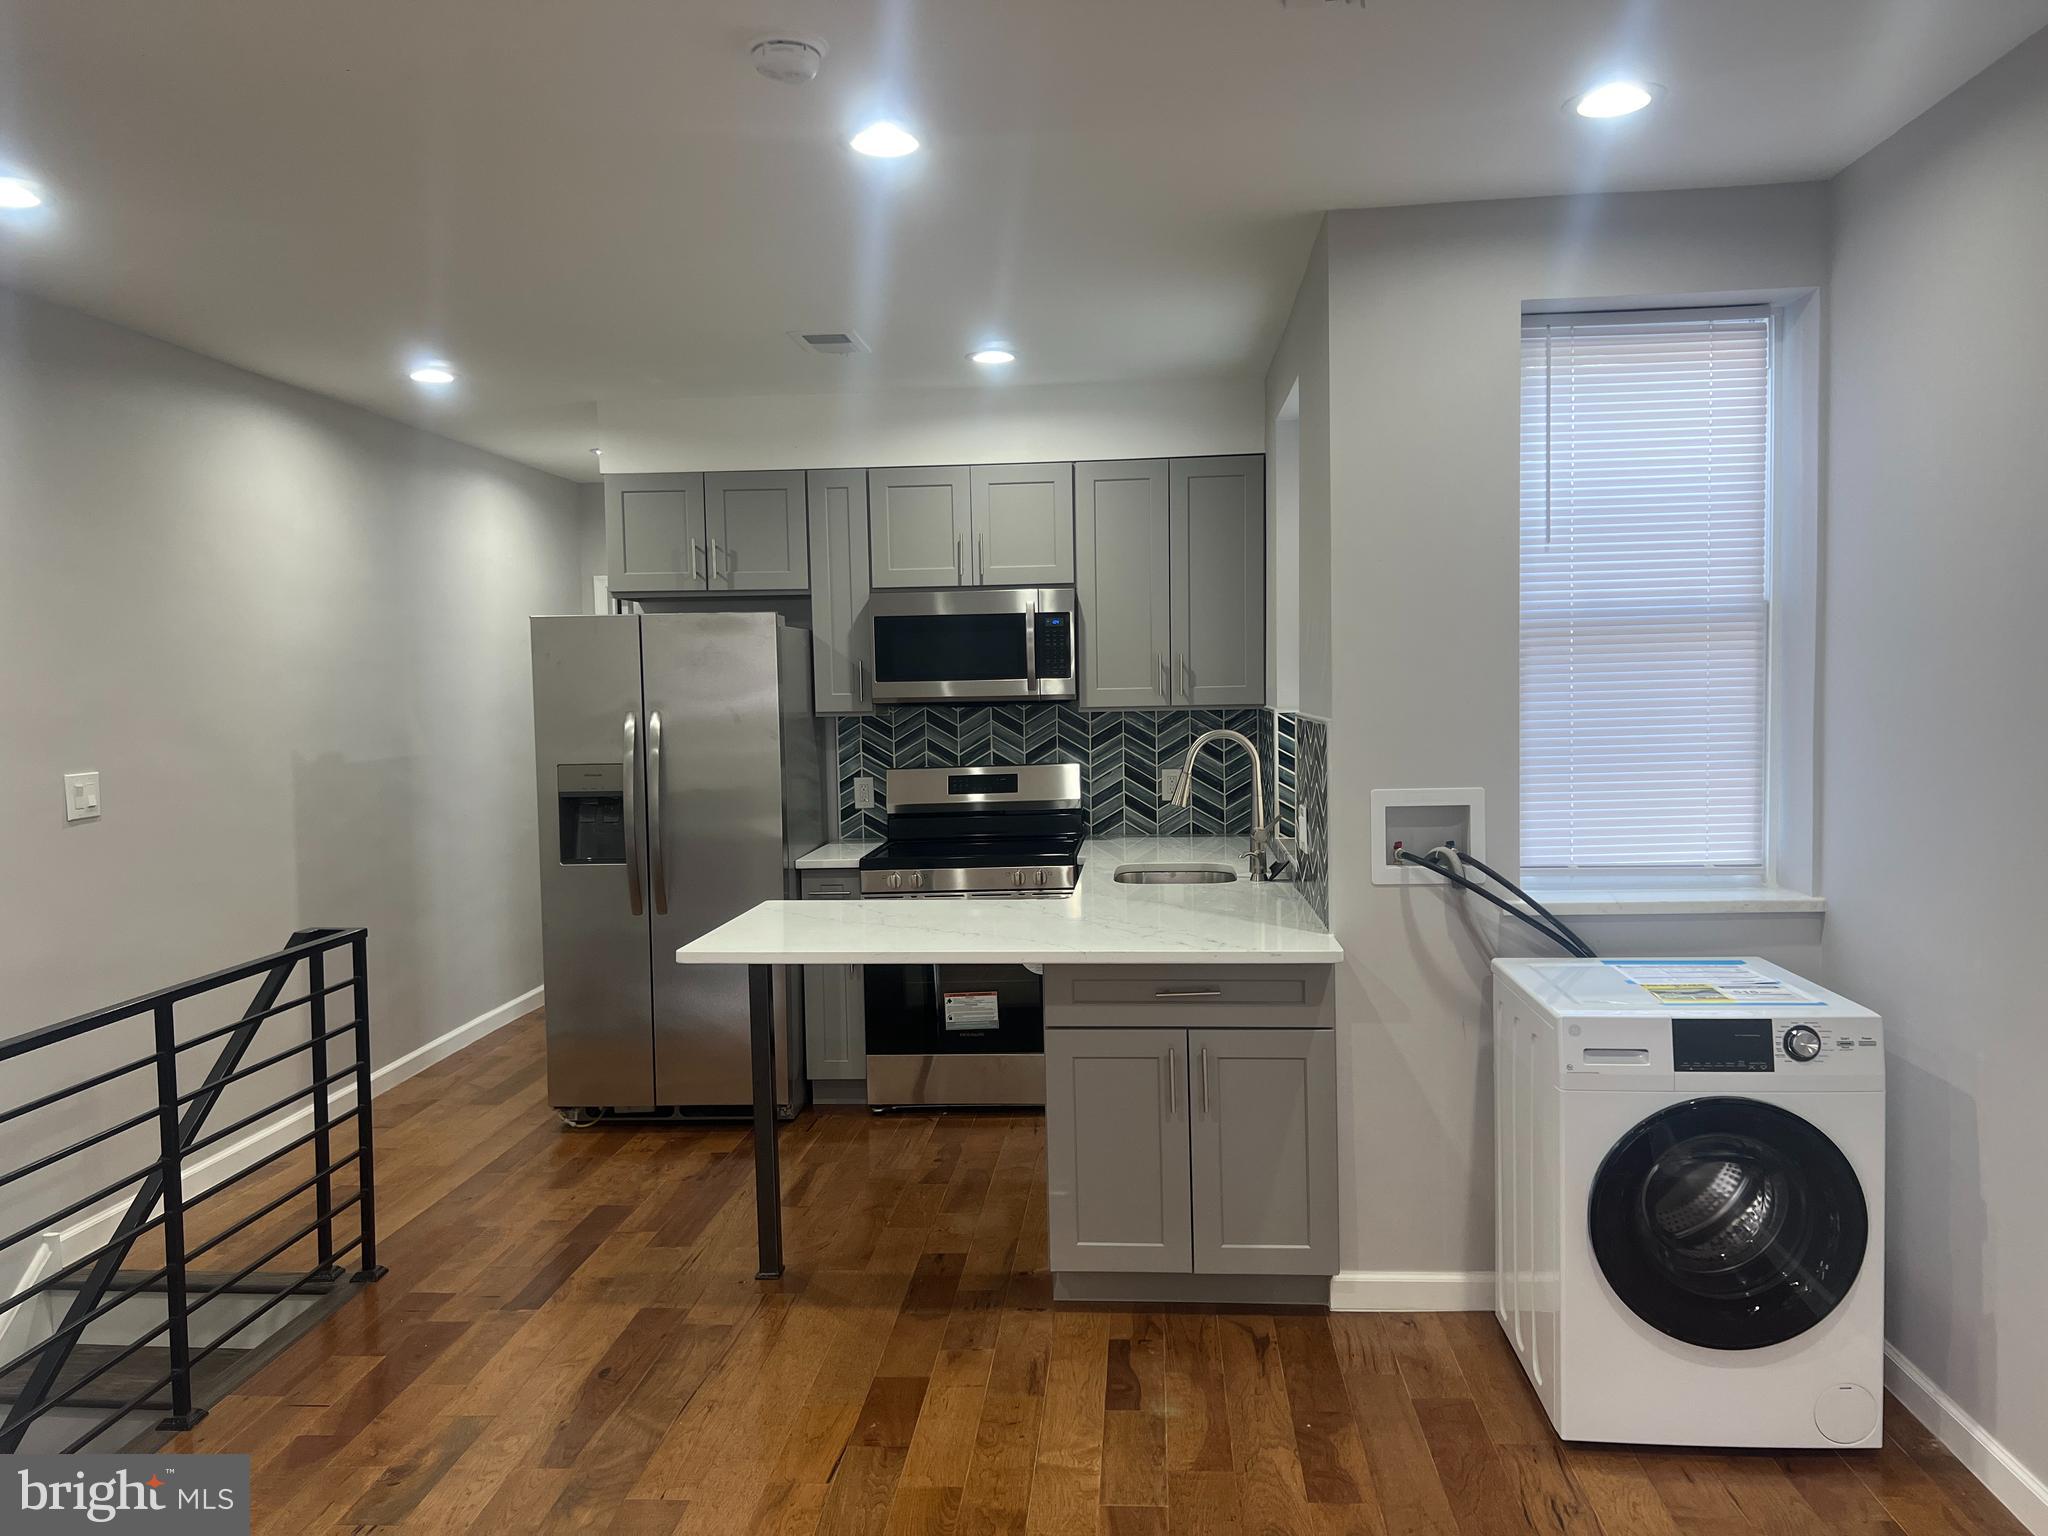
1677, 901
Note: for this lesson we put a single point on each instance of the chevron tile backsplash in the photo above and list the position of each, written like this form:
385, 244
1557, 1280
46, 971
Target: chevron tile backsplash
1120, 752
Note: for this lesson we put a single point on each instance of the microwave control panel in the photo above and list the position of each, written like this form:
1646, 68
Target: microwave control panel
1055, 644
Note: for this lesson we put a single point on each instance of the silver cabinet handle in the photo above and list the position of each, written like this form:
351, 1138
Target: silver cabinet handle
659, 851
980, 559
696, 553
1180, 664
1166, 679
1031, 647
1172, 1082
1189, 992
960, 561
1205, 1080
860, 680
630, 767
714, 563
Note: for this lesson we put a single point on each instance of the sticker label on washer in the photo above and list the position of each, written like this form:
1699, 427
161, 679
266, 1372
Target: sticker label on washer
969, 1011
1711, 983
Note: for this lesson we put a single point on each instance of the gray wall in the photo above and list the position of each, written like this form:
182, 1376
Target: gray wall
291, 636
1304, 356
1424, 321
1933, 729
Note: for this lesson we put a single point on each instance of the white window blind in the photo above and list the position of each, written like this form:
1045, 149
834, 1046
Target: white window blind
1645, 590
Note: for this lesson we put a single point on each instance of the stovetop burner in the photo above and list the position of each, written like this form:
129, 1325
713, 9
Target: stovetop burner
980, 832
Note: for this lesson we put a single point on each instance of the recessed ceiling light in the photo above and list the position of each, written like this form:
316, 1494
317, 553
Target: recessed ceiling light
16, 193
992, 357
1617, 98
432, 373
885, 141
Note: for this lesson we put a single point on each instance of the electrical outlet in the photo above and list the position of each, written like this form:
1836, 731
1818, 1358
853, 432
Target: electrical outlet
82, 796
863, 793
1169, 783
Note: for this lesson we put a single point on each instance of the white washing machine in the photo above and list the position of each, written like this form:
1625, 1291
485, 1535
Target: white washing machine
1690, 1207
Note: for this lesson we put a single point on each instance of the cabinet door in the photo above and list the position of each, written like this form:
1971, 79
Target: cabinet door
756, 539
835, 1031
919, 524
654, 533
1122, 580
840, 638
1219, 580
1264, 1141
1023, 525
1116, 1149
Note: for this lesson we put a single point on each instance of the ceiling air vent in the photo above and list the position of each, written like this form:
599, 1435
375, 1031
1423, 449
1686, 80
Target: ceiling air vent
832, 343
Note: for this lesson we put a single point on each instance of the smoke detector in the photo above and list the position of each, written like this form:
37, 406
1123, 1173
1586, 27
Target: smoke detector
791, 60
831, 343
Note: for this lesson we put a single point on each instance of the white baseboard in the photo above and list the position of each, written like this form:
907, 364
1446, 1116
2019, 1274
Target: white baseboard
1412, 1290
234, 1156
2015, 1485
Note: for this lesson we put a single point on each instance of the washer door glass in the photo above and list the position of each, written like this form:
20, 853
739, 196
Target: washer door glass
1728, 1223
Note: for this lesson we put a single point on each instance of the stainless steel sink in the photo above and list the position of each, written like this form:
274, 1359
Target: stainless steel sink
1175, 874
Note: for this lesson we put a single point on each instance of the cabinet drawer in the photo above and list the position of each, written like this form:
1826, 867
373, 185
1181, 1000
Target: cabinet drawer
1247, 997
829, 884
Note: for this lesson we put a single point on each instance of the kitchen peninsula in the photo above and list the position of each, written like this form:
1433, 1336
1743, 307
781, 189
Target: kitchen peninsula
1190, 1052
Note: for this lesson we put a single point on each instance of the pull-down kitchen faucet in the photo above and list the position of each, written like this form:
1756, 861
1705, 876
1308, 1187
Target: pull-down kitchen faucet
1266, 856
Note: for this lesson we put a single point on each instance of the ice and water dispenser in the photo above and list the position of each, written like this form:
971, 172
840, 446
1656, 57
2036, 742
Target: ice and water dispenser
591, 801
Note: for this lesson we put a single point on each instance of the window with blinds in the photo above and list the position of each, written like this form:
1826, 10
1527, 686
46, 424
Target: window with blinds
1645, 513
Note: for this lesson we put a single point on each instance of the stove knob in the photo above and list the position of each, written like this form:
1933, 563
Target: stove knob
895, 882
1017, 879
917, 880
1802, 1042
1041, 877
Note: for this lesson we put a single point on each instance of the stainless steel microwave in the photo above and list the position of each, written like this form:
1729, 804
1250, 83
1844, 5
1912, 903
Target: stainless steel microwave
980, 643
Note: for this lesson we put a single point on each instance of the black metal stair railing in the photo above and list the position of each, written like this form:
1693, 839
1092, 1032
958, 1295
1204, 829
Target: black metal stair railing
161, 1201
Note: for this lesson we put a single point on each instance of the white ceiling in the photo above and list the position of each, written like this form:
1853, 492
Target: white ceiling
591, 201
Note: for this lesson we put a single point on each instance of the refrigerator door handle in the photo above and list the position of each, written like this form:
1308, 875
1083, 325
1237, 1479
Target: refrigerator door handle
630, 766
657, 848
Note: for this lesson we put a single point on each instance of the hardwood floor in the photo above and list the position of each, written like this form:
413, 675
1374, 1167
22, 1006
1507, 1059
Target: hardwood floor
571, 1338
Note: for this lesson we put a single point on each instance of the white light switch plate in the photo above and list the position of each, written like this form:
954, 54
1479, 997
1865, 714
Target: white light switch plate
82, 796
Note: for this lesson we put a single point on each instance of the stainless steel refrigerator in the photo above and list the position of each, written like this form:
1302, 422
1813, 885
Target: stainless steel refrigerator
679, 771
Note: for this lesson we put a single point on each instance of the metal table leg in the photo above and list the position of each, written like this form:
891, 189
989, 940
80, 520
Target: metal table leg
767, 1166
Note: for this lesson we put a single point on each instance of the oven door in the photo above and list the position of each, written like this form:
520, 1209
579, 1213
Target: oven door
1001, 644
955, 1034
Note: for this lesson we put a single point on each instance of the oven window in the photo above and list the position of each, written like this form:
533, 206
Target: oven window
949, 647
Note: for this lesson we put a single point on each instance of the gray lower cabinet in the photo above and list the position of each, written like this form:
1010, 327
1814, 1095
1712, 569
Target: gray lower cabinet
919, 525
835, 996
1219, 580
1191, 1120
1116, 1150
755, 539
1123, 582
1023, 517
1264, 1145
842, 668
654, 534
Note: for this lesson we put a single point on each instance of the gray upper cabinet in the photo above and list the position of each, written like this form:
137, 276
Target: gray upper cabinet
920, 526
755, 539
1264, 1144
1219, 580
841, 672
654, 535
1023, 517
1116, 1153
1123, 581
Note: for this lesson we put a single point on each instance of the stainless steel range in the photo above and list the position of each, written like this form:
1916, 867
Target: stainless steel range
980, 832
967, 1034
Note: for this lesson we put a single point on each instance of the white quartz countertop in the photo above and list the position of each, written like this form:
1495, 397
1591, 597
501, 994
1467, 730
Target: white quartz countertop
1102, 923
837, 855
